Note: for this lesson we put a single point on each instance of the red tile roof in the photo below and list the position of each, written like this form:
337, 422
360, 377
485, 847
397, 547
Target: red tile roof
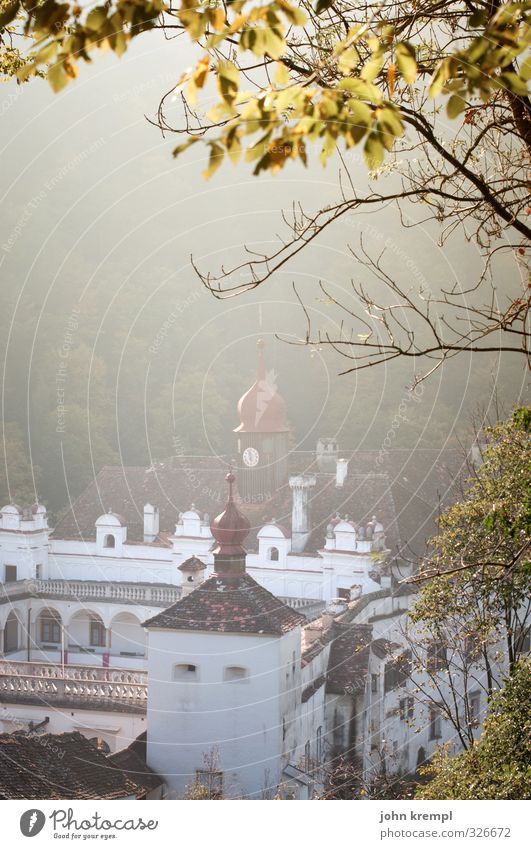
229, 604
404, 489
59, 766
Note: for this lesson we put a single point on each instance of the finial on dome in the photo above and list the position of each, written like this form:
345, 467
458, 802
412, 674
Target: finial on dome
230, 528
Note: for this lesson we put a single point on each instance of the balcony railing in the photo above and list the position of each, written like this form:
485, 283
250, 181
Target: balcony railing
123, 592
84, 685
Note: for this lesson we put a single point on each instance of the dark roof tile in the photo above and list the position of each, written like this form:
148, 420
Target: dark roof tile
229, 604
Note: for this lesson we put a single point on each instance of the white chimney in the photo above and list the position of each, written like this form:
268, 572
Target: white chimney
341, 472
300, 514
193, 575
151, 523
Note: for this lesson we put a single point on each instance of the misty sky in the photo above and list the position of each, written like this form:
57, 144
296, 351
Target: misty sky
97, 215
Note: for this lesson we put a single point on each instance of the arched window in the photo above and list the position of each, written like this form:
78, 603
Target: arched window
185, 672
100, 744
272, 554
235, 673
11, 633
109, 541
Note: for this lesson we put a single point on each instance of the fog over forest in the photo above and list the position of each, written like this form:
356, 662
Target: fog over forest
114, 352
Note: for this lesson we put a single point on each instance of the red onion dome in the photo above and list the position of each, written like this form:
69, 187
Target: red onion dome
261, 409
230, 528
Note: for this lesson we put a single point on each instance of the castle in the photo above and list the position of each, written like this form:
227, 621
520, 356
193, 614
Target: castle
244, 614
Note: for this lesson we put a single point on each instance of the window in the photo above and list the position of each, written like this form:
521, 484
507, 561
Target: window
212, 779
407, 708
50, 628
235, 673
436, 658
374, 683
100, 744
185, 672
97, 632
344, 593
273, 554
472, 648
307, 757
11, 574
11, 633
421, 757
435, 724
397, 671
38, 571
474, 703
109, 541
319, 744
523, 640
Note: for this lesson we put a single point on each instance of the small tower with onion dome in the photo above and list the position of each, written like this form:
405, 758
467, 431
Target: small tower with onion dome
263, 437
222, 665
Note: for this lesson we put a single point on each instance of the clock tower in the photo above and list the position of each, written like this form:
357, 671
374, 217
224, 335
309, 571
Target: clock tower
263, 437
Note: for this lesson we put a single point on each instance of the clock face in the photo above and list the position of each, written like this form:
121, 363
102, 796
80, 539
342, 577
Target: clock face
250, 456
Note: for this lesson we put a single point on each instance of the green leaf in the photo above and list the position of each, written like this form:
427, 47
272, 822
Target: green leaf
455, 106
348, 60
96, 19
215, 159
525, 70
8, 12
228, 80
57, 76
360, 113
323, 5
372, 68
441, 75
373, 151
512, 82
406, 61
362, 89
391, 126
273, 43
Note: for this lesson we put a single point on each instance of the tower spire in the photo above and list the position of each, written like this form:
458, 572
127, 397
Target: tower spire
229, 529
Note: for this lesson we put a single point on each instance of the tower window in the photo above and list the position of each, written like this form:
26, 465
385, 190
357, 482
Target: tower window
11, 574
235, 673
185, 672
475, 707
435, 724
109, 541
273, 554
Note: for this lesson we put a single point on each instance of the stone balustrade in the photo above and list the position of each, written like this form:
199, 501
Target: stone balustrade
83, 685
122, 592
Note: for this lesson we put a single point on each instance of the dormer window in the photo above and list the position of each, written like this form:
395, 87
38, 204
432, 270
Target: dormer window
109, 541
235, 673
273, 554
185, 672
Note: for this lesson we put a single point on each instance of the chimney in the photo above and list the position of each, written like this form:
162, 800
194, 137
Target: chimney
335, 608
193, 575
300, 514
151, 523
341, 472
326, 454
